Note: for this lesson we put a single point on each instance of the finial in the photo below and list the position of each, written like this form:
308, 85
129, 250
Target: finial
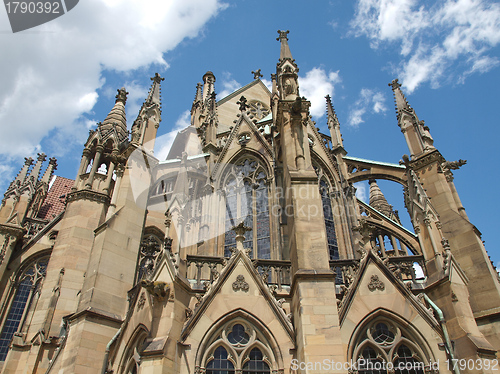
28, 161
257, 74
157, 78
122, 95
394, 84
243, 103
283, 35
399, 97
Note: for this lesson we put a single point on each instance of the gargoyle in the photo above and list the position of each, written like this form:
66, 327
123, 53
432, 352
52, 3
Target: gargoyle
158, 289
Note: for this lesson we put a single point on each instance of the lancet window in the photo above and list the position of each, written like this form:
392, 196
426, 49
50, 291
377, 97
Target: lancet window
25, 293
331, 236
384, 347
238, 348
246, 192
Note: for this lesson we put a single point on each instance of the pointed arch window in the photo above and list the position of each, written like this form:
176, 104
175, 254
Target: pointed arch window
247, 200
25, 293
238, 348
220, 364
331, 236
385, 347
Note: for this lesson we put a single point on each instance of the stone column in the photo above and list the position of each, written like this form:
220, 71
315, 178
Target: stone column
95, 165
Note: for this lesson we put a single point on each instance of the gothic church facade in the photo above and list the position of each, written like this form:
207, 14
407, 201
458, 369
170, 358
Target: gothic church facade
245, 251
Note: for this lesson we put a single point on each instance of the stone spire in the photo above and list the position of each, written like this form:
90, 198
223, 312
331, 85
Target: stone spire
333, 124
417, 134
154, 96
399, 97
35, 172
285, 49
378, 200
50, 170
208, 84
24, 171
287, 70
198, 97
117, 113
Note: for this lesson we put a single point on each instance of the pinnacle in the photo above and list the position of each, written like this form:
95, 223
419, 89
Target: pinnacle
285, 49
117, 113
399, 97
154, 96
378, 200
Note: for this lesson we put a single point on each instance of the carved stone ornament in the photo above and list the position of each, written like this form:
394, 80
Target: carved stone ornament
141, 301
158, 289
240, 284
376, 284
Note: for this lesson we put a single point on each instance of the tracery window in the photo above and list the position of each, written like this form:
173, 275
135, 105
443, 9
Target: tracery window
26, 289
238, 347
384, 347
331, 236
131, 360
247, 200
149, 254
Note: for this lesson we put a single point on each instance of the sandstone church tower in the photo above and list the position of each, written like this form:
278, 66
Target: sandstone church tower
245, 251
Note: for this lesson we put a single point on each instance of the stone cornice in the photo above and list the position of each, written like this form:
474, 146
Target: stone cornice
88, 195
425, 160
13, 230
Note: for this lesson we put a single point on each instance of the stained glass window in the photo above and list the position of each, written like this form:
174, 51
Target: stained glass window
238, 335
406, 363
387, 349
382, 334
333, 249
247, 201
28, 282
262, 223
372, 363
220, 364
255, 364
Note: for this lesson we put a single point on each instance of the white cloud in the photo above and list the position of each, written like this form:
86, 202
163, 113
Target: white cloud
362, 191
268, 84
228, 85
315, 86
51, 74
164, 143
436, 42
370, 101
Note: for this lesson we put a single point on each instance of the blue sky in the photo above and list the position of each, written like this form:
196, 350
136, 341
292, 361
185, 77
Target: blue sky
60, 78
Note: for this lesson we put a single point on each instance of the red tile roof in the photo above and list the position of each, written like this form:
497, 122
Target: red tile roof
54, 202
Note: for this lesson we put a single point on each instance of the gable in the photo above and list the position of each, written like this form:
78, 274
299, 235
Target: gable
377, 288
228, 109
239, 287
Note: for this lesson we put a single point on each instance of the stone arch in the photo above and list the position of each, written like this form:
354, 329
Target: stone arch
131, 353
408, 335
330, 174
267, 343
235, 159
